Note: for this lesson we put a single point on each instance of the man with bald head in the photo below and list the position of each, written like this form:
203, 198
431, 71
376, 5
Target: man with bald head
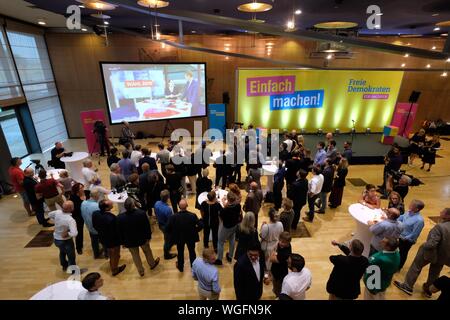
254, 200
435, 252
37, 204
65, 231
105, 223
183, 228
388, 227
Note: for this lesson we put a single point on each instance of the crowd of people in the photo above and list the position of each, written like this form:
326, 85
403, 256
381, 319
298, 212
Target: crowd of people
263, 254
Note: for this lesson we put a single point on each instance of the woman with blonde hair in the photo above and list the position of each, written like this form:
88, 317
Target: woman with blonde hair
246, 234
339, 183
396, 201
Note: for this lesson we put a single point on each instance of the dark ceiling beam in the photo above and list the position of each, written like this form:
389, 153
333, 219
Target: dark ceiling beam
240, 25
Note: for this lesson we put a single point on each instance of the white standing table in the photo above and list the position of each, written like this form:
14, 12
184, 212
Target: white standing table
64, 290
118, 198
362, 215
220, 193
74, 164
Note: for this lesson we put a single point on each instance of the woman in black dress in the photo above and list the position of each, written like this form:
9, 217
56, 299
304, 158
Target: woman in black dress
415, 144
77, 197
210, 210
246, 234
429, 152
339, 184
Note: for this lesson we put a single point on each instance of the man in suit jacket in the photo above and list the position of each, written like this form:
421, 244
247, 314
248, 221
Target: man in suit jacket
249, 274
344, 281
105, 223
298, 193
147, 159
191, 93
254, 200
183, 228
292, 166
134, 229
435, 252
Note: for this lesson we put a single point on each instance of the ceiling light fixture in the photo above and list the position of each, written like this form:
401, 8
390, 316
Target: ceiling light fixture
428, 66
42, 22
290, 25
433, 48
297, 12
329, 57
83, 29
254, 7
435, 14
97, 5
448, 60
406, 55
408, 44
105, 22
154, 4
379, 14
81, 6
193, 31
436, 29
403, 65
444, 74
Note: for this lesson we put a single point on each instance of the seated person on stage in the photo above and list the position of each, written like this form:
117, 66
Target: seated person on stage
57, 153
369, 198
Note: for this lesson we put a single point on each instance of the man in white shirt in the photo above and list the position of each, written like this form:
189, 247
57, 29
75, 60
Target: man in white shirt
90, 177
298, 281
289, 143
314, 189
65, 231
136, 155
92, 282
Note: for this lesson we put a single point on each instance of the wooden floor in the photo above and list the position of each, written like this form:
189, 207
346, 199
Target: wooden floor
24, 271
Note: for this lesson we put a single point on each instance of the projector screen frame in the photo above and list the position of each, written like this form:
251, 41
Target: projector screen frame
101, 63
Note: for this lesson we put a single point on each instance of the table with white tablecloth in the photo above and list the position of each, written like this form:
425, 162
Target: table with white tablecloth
269, 171
118, 198
220, 193
64, 290
362, 215
74, 165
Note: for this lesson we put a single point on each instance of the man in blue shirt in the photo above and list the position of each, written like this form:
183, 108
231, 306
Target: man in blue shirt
207, 275
387, 228
321, 154
88, 207
163, 212
413, 224
126, 166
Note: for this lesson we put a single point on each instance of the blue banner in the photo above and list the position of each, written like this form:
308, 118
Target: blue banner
217, 117
297, 100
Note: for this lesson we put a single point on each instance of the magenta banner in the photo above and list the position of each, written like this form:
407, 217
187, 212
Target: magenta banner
401, 118
268, 86
88, 119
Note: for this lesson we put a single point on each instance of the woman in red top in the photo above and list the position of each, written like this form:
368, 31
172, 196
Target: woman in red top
16, 176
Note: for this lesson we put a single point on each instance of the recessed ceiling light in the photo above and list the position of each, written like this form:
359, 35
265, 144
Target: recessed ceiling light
403, 65
435, 14
269, 44
379, 14
42, 22
408, 44
84, 29
81, 6
330, 56
444, 74
436, 29
428, 66
406, 55
290, 25
105, 22
144, 27
227, 45
227, 49
433, 48
448, 60
227, 58
298, 12
193, 31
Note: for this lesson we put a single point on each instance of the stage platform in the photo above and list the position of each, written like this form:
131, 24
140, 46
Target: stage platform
367, 148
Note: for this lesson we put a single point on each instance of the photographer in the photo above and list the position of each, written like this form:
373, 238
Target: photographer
57, 153
100, 131
399, 182
393, 161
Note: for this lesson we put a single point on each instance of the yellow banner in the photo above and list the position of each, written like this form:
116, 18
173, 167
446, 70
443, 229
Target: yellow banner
313, 99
